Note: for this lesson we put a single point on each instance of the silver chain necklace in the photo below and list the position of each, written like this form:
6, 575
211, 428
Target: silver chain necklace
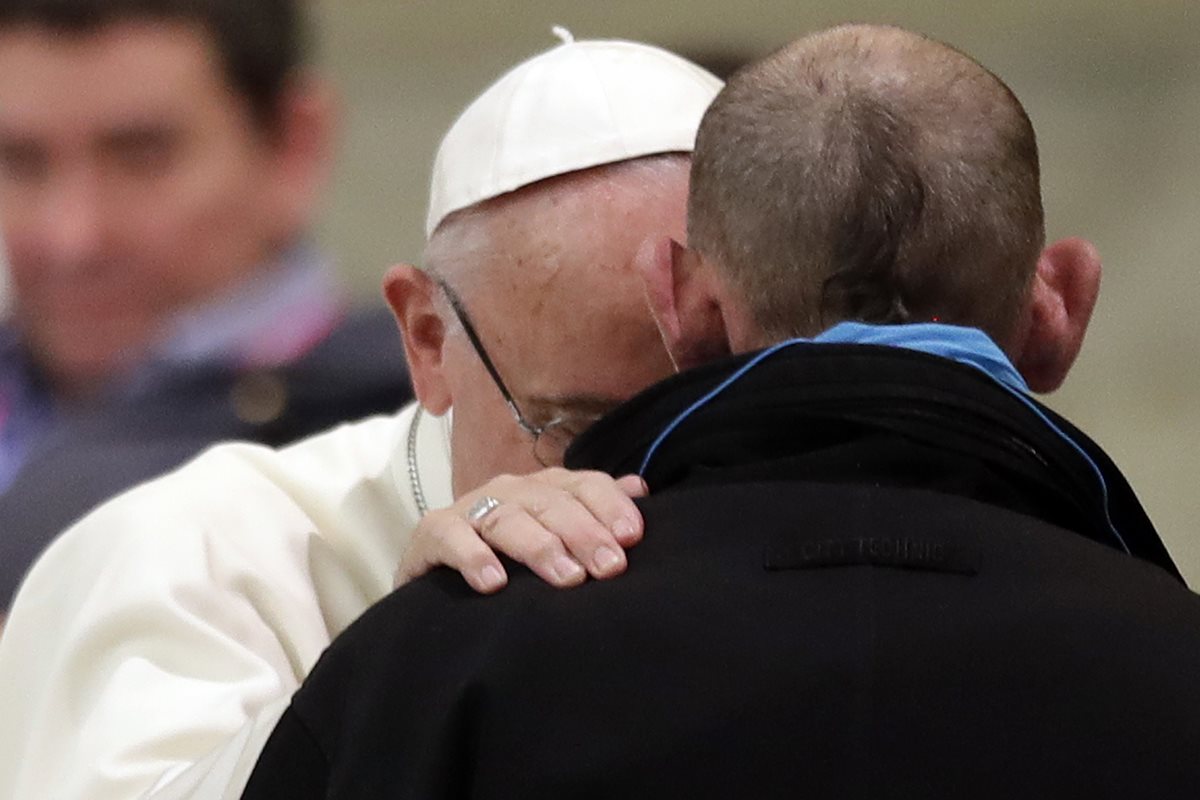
414, 478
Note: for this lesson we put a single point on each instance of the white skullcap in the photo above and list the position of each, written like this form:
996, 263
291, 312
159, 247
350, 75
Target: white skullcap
579, 105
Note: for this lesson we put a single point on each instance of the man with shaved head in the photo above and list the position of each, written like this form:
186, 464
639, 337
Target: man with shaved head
874, 565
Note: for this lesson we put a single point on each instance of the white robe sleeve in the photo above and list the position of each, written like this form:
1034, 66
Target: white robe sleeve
153, 647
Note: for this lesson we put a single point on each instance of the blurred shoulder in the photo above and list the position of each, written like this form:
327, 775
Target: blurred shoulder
335, 491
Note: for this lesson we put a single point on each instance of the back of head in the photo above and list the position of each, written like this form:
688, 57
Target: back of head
869, 173
260, 43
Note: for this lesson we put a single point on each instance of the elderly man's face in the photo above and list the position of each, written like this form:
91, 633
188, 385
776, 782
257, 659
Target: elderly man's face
133, 181
561, 312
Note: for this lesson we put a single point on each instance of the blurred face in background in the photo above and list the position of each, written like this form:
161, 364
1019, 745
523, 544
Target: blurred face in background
134, 181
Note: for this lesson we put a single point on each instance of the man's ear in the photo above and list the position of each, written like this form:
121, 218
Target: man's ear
412, 296
303, 144
1061, 299
681, 293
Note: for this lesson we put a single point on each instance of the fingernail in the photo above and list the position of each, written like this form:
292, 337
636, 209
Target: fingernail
567, 569
491, 578
606, 559
624, 530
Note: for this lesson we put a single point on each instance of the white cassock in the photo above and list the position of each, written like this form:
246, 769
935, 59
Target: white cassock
153, 647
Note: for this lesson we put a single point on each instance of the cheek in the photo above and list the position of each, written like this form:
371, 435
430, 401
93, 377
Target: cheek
485, 442
195, 230
23, 233
16, 258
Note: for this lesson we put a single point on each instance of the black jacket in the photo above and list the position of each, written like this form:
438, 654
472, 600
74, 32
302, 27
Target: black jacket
867, 573
356, 371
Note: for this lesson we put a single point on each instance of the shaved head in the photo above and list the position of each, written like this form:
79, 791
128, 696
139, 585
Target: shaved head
869, 173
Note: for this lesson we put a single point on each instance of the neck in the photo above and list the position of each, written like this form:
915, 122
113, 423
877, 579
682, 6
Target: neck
81, 387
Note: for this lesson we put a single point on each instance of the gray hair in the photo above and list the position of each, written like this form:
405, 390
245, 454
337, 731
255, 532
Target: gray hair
460, 242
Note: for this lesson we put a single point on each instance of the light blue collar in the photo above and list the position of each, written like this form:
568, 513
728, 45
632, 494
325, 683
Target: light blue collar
965, 345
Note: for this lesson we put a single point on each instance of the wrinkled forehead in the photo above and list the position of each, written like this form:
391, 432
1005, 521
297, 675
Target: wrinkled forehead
582, 229
576, 332
552, 285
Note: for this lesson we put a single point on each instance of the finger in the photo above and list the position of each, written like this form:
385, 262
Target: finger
511, 529
610, 502
633, 485
563, 515
446, 538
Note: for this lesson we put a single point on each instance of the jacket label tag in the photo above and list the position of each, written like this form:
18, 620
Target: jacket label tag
904, 552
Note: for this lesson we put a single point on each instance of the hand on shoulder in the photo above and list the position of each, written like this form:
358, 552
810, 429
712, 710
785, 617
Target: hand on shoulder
564, 525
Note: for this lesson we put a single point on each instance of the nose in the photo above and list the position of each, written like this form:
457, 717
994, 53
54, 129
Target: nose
71, 224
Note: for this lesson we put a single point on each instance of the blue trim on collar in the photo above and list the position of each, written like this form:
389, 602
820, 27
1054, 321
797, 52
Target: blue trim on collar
965, 345
969, 346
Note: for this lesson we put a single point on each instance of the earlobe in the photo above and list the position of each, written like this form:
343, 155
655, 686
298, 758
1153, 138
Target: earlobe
1061, 299
304, 145
682, 299
411, 294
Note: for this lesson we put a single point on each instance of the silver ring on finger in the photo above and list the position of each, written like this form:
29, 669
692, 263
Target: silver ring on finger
481, 508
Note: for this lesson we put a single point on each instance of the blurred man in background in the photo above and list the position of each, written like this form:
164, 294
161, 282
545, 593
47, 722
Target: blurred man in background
160, 167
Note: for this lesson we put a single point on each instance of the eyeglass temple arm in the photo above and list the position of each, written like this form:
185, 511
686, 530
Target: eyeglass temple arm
473, 337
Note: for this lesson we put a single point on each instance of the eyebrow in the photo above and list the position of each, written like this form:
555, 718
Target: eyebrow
584, 404
141, 132
12, 137
122, 135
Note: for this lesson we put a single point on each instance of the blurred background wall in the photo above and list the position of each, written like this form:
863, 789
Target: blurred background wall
1113, 89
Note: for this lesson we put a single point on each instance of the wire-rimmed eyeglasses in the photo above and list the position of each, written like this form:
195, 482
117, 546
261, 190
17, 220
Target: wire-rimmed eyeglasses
550, 440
